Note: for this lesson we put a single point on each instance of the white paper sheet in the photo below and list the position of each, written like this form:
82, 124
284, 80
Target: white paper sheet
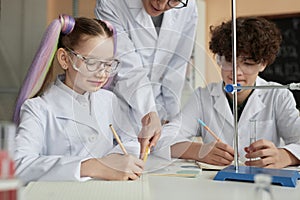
93, 189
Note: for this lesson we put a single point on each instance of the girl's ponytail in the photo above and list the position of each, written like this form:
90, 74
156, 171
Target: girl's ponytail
42, 60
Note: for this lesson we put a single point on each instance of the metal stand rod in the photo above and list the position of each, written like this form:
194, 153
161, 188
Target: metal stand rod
232, 87
235, 113
261, 87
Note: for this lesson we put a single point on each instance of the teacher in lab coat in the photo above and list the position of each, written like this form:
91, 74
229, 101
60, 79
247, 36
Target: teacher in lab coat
265, 116
154, 44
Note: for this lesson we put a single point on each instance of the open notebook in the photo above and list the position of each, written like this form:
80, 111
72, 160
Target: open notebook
205, 166
93, 189
156, 166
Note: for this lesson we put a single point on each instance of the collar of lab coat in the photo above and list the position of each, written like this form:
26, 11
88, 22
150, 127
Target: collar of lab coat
134, 3
65, 106
253, 106
221, 103
144, 19
255, 103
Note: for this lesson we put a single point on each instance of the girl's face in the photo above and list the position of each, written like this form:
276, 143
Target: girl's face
85, 72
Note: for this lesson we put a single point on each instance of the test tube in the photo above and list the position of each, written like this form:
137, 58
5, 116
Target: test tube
252, 133
252, 130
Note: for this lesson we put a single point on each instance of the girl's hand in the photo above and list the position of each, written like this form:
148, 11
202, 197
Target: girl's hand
113, 167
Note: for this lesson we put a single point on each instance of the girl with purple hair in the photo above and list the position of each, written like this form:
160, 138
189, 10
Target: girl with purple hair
63, 120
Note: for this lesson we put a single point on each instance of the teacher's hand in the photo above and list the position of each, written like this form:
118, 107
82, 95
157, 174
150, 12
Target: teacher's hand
150, 133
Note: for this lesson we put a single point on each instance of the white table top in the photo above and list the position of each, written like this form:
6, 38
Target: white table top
152, 186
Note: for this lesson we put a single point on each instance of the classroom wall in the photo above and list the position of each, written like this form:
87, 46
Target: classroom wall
22, 23
82, 7
220, 10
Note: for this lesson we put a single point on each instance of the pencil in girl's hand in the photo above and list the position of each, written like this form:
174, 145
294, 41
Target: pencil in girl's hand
146, 153
208, 129
118, 139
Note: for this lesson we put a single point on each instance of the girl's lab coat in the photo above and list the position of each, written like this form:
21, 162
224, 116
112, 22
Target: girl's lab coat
56, 133
153, 66
274, 111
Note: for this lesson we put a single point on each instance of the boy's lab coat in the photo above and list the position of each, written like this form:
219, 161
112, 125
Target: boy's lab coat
274, 111
153, 67
56, 133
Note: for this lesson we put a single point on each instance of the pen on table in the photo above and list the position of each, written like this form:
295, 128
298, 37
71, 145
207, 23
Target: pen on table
208, 129
118, 139
146, 153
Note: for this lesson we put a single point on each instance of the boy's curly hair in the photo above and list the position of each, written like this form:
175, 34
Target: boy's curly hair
257, 38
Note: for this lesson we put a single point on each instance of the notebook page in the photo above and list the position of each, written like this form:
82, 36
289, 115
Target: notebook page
205, 166
93, 189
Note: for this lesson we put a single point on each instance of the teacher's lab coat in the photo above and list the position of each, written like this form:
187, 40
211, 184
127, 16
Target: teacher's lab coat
274, 111
153, 67
56, 133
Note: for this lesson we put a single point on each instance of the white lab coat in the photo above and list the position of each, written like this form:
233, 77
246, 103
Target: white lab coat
56, 133
274, 111
153, 66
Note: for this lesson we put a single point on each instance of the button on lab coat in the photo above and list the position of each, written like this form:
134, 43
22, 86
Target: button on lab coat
274, 111
56, 133
152, 69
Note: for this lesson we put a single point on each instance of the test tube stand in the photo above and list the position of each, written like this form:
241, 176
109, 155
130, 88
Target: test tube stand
287, 178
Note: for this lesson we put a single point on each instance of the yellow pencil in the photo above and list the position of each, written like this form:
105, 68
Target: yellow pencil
118, 139
146, 153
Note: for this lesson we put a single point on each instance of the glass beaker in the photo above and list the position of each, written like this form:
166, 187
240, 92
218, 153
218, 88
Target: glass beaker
8, 184
263, 187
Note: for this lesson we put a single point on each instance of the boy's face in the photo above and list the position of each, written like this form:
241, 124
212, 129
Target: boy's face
243, 79
247, 70
78, 76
